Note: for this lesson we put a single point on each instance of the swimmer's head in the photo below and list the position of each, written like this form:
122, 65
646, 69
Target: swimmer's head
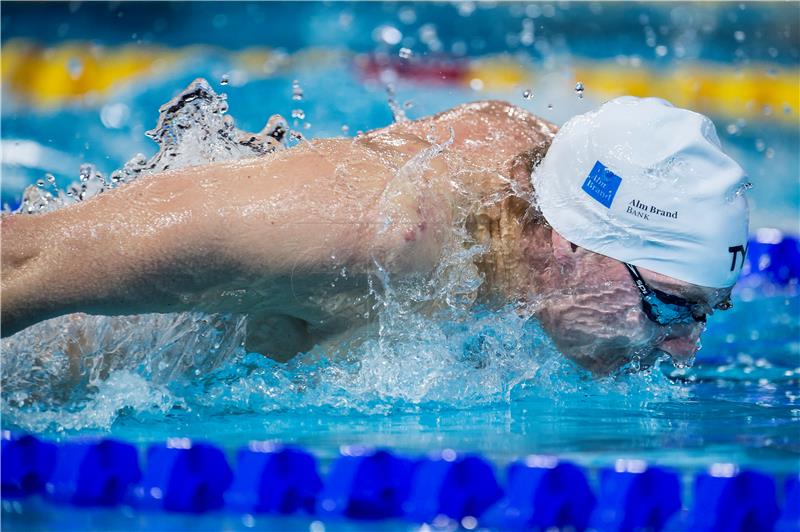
641, 183
592, 309
646, 183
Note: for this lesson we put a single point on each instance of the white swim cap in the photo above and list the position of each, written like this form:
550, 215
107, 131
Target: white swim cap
643, 182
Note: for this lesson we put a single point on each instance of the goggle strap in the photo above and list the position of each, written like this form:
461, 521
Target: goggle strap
637, 279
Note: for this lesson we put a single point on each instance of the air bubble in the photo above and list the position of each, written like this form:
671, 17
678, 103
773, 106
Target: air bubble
527, 94
225, 80
50, 178
739, 35
40, 183
405, 53
298, 114
579, 89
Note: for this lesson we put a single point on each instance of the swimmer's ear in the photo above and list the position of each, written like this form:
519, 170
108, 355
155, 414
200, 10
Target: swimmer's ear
562, 249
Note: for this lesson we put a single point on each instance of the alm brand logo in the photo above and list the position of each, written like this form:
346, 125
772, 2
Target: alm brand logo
643, 210
602, 184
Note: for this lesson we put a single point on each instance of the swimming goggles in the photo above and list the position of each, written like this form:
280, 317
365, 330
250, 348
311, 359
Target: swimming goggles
663, 308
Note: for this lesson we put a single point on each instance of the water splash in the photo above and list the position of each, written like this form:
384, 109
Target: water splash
80, 372
64, 361
193, 129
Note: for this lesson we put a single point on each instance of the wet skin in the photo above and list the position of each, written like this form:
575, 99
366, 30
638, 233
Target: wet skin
293, 238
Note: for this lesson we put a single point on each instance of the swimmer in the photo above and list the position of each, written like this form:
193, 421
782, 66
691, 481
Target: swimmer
621, 232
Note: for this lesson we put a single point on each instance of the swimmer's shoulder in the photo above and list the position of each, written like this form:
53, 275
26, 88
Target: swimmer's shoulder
502, 114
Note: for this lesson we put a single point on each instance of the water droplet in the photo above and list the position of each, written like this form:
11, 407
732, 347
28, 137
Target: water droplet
661, 50
225, 79
527, 94
75, 67
387, 34
407, 15
297, 91
298, 114
85, 172
739, 35
405, 53
397, 110
744, 187
579, 89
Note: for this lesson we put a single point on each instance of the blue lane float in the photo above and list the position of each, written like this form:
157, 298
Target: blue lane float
93, 473
726, 500
27, 464
274, 479
772, 257
451, 485
789, 520
184, 476
540, 492
366, 484
634, 497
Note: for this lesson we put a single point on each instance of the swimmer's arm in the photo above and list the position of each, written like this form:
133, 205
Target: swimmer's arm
175, 241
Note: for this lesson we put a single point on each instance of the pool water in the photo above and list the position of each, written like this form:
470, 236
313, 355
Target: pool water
472, 381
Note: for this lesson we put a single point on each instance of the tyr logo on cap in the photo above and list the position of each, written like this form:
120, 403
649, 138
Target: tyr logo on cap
602, 184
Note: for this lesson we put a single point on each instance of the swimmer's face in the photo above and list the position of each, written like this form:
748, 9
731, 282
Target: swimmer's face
594, 314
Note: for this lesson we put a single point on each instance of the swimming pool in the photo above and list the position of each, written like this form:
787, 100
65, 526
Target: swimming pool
483, 382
